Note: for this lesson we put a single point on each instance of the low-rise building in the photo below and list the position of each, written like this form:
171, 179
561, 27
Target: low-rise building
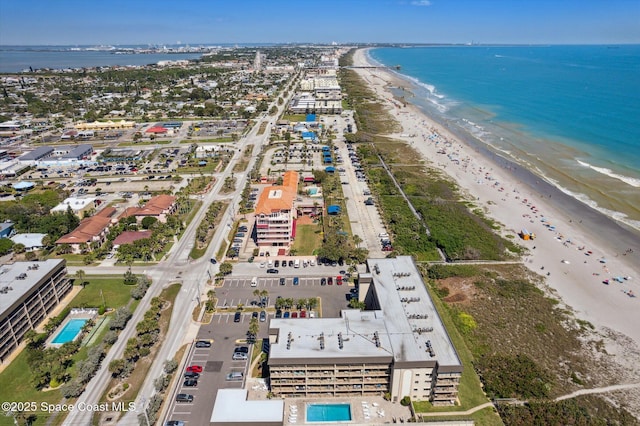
92, 229
159, 207
28, 292
397, 346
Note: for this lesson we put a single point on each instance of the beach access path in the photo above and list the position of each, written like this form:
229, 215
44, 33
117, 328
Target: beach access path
576, 248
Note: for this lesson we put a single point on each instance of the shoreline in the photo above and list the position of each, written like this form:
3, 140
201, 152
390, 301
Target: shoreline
500, 187
582, 170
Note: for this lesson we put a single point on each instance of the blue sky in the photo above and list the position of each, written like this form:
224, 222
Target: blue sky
251, 21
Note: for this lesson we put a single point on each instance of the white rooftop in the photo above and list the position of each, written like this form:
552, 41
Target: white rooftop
31, 273
76, 204
320, 337
410, 315
29, 240
231, 405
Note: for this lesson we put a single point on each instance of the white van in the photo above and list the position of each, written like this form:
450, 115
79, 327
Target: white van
296, 263
254, 282
269, 264
383, 235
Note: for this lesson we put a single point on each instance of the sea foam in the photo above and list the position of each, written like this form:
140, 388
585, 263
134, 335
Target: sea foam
626, 179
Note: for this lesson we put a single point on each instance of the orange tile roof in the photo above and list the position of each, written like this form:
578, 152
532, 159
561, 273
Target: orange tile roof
128, 237
154, 207
87, 229
279, 197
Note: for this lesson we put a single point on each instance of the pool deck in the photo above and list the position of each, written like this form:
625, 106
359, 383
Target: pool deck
76, 313
364, 411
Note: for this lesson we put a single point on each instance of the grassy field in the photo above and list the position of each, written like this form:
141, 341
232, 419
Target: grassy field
113, 290
294, 117
308, 238
225, 139
133, 143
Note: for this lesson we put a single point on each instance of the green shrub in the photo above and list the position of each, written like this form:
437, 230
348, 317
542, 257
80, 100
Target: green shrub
405, 401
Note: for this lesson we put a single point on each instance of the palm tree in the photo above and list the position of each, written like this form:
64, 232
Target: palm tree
80, 274
357, 240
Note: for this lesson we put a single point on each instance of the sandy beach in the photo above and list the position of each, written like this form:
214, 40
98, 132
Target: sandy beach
587, 258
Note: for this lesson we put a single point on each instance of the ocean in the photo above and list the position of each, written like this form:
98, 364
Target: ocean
571, 114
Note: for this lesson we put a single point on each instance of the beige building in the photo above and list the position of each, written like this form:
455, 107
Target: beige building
397, 346
275, 212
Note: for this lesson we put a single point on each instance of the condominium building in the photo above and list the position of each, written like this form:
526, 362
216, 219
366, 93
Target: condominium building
275, 212
28, 292
398, 345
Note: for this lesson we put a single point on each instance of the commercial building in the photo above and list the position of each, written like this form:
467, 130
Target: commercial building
398, 345
275, 213
28, 292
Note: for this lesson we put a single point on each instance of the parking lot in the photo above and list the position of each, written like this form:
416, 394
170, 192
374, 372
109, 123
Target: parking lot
217, 361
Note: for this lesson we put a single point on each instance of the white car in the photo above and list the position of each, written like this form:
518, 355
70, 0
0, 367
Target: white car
262, 264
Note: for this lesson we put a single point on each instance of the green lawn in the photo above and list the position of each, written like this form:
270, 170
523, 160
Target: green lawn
308, 239
17, 387
133, 143
294, 117
115, 293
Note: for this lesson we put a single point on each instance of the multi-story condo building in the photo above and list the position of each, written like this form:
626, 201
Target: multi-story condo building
28, 292
275, 212
397, 346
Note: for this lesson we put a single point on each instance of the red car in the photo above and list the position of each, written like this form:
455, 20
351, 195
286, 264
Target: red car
294, 314
339, 280
303, 314
330, 281
194, 369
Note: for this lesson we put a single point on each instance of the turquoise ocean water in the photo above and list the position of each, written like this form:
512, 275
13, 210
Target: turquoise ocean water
569, 113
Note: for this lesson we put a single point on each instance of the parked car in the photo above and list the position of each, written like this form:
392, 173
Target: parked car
203, 344
263, 316
286, 314
339, 280
323, 281
330, 280
272, 271
213, 260
242, 349
174, 423
296, 281
254, 315
235, 376
239, 356
191, 375
194, 368
303, 314
190, 383
294, 314
184, 397
278, 313
282, 281
237, 316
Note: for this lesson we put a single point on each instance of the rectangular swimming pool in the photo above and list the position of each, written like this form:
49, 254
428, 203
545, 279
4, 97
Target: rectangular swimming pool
328, 412
69, 331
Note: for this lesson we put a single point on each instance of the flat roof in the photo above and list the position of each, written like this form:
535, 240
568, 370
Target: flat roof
398, 332
410, 315
316, 338
76, 204
37, 153
34, 273
231, 405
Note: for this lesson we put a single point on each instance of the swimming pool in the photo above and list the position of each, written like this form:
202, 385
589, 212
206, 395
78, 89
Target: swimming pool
312, 191
69, 331
328, 412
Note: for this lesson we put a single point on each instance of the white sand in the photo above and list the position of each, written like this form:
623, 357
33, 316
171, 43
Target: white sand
578, 280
